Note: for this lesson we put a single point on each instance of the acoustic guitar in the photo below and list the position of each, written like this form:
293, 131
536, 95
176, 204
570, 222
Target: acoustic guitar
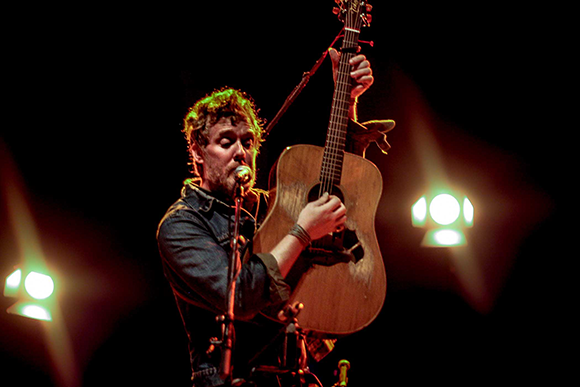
344, 288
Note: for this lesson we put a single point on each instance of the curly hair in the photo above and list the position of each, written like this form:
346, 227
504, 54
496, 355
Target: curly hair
225, 102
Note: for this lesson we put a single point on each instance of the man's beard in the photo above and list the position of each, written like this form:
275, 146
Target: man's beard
224, 186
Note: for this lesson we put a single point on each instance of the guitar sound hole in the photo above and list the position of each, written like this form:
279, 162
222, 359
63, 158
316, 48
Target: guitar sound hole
315, 193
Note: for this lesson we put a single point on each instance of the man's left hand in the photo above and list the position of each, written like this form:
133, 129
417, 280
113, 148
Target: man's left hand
361, 72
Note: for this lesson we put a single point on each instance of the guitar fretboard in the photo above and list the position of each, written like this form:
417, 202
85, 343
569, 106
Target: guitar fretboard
331, 171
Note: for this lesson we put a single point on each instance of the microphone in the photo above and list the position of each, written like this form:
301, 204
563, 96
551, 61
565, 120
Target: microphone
242, 174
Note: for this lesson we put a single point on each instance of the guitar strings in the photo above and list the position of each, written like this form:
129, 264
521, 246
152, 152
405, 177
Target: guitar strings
333, 157
334, 151
335, 141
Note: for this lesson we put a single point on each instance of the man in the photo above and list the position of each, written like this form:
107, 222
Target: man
223, 133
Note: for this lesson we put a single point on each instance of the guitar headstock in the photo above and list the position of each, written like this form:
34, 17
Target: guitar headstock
353, 13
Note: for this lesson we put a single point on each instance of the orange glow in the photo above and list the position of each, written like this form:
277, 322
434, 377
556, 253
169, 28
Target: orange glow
429, 154
31, 255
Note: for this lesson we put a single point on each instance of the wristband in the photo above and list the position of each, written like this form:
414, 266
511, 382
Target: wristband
301, 234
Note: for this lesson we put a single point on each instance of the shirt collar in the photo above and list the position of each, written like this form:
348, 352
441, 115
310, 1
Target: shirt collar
204, 200
199, 198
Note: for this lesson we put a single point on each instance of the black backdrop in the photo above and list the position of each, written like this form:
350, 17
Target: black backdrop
94, 98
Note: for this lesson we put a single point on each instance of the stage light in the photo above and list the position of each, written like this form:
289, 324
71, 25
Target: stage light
445, 217
419, 211
31, 310
468, 212
444, 237
444, 209
34, 295
39, 286
12, 283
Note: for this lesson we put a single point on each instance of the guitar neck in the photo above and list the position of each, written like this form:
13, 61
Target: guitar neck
331, 171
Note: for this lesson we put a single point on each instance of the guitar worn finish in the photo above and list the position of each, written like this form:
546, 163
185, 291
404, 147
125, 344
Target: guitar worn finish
347, 296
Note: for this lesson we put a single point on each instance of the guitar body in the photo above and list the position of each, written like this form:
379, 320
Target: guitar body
344, 297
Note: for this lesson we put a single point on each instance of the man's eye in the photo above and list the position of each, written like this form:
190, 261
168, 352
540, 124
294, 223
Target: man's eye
248, 143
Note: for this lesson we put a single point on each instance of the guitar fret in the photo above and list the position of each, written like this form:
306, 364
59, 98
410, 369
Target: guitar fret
333, 178
335, 165
334, 150
338, 122
328, 170
334, 168
341, 103
336, 134
340, 113
335, 139
335, 157
341, 98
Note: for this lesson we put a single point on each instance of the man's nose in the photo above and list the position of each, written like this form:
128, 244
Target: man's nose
240, 151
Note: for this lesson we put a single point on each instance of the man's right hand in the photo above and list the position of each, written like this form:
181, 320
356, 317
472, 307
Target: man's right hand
323, 216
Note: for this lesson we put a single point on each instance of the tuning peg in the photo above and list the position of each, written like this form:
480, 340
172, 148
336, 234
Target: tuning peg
369, 19
369, 7
341, 5
339, 11
366, 19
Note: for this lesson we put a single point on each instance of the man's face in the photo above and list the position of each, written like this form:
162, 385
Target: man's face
228, 147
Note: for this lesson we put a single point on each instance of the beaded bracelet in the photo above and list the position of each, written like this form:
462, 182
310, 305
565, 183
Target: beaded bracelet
301, 234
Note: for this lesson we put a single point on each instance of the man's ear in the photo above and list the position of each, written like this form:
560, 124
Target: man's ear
197, 154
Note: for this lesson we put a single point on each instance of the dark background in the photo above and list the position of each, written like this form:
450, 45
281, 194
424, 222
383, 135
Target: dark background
94, 99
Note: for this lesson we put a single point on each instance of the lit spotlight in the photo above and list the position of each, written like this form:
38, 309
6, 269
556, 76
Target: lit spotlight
468, 212
445, 217
12, 284
34, 295
39, 286
444, 209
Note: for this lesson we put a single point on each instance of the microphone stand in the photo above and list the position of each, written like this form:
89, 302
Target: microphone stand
303, 82
298, 89
228, 335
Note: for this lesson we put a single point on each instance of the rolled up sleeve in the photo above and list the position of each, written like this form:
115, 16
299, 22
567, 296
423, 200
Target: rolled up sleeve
196, 264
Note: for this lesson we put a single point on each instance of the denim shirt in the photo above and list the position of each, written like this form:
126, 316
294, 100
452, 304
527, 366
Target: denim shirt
194, 244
